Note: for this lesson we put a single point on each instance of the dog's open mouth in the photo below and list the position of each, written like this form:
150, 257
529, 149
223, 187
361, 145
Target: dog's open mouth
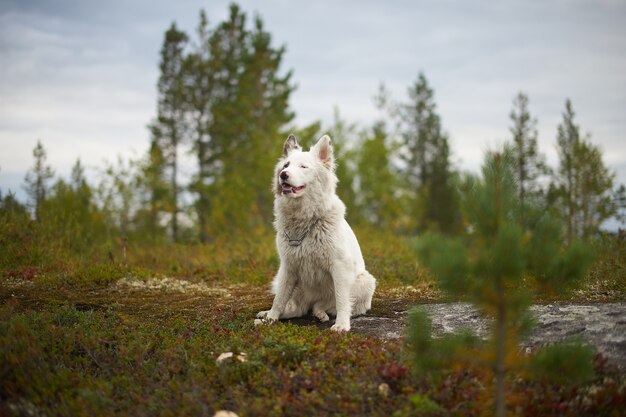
290, 189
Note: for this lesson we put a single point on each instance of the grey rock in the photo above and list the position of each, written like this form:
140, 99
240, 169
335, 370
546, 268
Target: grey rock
601, 325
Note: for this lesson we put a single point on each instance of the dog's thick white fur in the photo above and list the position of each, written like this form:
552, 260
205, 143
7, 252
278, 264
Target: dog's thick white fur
321, 265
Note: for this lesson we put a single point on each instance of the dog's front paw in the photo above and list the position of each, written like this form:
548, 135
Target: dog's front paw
262, 314
341, 327
321, 315
265, 317
264, 321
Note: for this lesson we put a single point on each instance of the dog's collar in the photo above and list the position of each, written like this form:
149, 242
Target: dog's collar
298, 241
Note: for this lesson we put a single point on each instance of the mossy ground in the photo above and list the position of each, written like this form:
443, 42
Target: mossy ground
76, 338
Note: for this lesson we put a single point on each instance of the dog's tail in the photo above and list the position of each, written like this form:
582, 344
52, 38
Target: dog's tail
362, 292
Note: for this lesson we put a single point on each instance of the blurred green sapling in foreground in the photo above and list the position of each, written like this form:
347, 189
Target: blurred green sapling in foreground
500, 265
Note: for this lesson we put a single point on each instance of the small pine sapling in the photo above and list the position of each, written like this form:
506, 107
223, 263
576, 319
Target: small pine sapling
499, 265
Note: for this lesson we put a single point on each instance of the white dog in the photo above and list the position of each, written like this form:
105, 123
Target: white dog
321, 265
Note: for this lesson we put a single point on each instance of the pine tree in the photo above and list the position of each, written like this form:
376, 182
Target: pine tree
442, 205
583, 185
199, 96
82, 190
345, 137
264, 99
619, 200
71, 214
378, 195
422, 131
492, 267
228, 98
529, 163
426, 161
170, 126
249, 110
80, 186
37, 179
11, 210
568, 137
596, 198
118, 196
153, 190
228, 46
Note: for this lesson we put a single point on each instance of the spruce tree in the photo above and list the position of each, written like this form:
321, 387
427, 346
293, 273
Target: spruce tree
83, 194
345, 137
498, 267
71, 214
153, 191
170, 126
426, 161
11, 210
228, 98
378, 195
529, 163
442, 211
583, 185
596, 198
266, 90
250, 108
79, 183
37, 179
228, 43
118, 196
422, 131
568, 137
199, 82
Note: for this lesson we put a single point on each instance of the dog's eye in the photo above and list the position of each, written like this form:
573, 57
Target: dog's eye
303, 166
286, 165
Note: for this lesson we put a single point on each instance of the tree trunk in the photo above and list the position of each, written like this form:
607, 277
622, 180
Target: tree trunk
499, 366
39, 198
153, 219
203, 202
174, 191
500, 333
522, 183
570, 205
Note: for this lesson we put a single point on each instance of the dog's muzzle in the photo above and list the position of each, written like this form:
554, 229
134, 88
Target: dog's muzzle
290, 189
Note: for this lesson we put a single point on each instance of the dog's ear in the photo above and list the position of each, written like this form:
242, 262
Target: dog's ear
291, 144
323, 149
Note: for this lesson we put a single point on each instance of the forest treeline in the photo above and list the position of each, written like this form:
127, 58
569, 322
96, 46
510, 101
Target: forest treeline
224, 99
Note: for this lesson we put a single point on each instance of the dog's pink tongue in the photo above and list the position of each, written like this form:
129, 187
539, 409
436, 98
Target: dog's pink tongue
290, 189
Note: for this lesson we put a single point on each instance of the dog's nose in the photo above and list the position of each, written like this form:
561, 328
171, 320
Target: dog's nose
284, 175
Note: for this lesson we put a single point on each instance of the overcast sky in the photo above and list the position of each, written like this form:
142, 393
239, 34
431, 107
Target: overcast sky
81, 75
